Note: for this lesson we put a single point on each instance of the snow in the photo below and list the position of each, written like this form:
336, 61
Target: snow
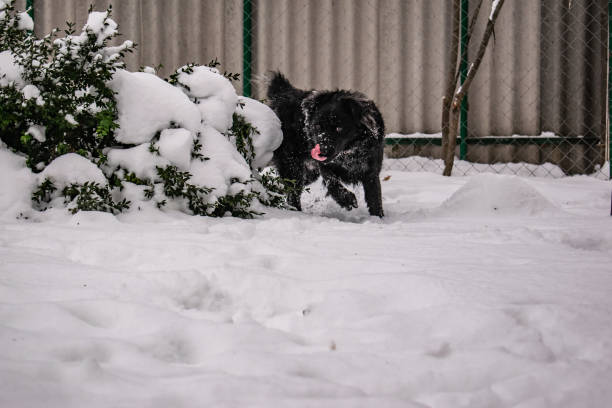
224, 164
159, 123
438, 135
149, 70
155, 115
99, 24
412, 135
37, 132
213, 93
175, 145
446, 302
138, 160
465, 168
491, 194
25, 22
147, 104
494, 5
10, 73
13, 173
478, 290
70, 119
268, 125
103, 29
30, 91
72, 168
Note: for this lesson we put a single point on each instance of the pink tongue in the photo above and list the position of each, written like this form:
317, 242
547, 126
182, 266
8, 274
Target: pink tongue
316, 153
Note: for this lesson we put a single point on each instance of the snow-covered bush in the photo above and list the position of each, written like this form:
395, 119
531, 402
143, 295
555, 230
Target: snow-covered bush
257, 131
81, 183
59, 103
54, 99
102, 138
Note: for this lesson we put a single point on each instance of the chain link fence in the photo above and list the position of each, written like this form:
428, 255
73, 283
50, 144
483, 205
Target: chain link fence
538, 106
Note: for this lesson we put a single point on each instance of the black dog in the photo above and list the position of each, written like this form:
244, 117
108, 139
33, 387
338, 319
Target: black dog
336, 134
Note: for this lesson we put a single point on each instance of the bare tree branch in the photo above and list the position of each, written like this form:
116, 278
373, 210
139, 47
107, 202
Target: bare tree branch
473, 20
449, 133
479, 57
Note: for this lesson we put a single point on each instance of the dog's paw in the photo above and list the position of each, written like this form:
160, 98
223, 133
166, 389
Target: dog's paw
347, 201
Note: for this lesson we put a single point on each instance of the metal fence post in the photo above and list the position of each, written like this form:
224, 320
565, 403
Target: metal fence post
247, 37
610, 90
463, 68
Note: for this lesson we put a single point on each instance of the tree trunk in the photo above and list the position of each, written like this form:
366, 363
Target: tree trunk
451, 81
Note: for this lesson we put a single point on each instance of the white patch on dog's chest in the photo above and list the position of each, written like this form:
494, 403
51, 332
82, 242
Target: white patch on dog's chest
311, 165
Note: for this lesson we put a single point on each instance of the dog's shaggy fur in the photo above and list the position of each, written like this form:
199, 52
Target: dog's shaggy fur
342, 130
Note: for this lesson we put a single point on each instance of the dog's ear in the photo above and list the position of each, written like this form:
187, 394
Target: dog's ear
365, 112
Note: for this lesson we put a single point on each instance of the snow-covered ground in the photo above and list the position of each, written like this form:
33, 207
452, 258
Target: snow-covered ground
479, 291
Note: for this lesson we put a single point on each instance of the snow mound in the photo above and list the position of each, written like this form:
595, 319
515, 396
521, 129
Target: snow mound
25, 22
138, 160
223, 167
496, 194
175, 145
268, 125
213, 94
148, 104
100, 25
17, 183
72, 168
10, 73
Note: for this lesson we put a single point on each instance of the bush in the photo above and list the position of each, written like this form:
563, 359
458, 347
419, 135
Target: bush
67, 103
60, 103
64, 104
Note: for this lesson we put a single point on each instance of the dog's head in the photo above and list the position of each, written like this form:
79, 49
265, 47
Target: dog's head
335, 120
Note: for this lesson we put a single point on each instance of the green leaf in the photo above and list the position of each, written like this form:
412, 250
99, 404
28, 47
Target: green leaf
25, 139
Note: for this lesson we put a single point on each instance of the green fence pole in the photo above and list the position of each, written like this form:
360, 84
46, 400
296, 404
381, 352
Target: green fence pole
247, 38
463, 68
610, 89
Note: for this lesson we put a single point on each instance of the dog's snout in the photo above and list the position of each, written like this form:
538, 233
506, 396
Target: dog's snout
327, 151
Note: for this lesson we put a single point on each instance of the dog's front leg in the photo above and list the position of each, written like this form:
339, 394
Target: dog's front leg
294, 199
373, 195
338, 192
292, 169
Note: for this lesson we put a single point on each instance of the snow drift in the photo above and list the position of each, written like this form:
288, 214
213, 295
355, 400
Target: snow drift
157, 309
496, 194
